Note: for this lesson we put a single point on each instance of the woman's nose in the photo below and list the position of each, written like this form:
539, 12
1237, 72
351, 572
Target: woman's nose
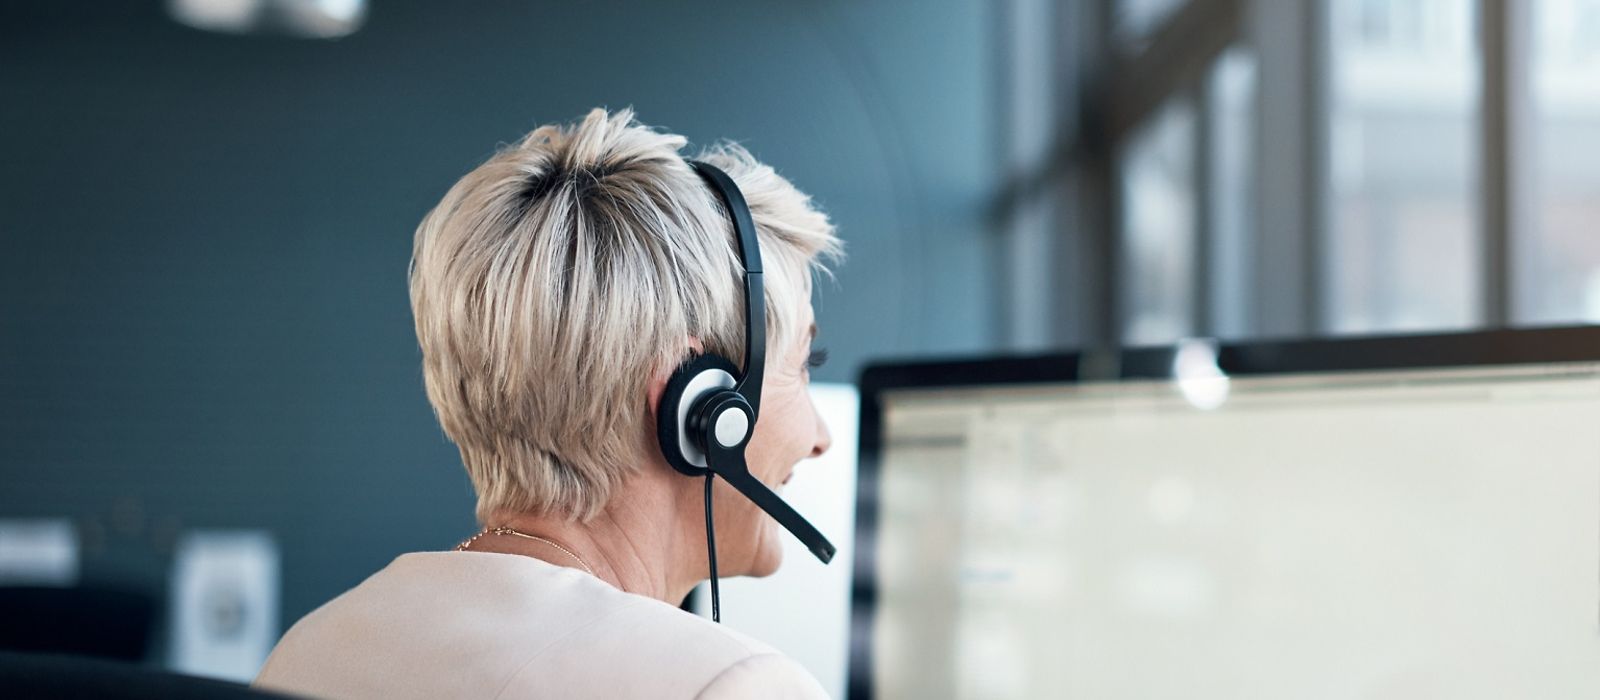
824, 438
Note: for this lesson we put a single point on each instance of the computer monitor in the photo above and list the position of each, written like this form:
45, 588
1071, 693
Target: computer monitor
1364, 518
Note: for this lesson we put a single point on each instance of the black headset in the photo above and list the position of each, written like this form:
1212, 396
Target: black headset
708, 410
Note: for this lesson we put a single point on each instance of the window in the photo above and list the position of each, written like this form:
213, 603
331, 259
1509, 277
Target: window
1230, 172
1402, 244
1136, 20
1370, 142
1557, 243
1158, 228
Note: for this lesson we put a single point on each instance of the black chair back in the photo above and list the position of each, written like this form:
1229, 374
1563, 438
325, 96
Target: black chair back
57, 677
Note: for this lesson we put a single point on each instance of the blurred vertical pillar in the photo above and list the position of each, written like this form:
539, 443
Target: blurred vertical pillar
1505, 32
1093, 191
1291, 42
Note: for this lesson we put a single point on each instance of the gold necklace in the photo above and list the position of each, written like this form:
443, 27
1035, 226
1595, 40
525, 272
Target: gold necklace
509, 531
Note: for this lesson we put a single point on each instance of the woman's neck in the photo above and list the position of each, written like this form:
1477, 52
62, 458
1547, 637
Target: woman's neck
639, 543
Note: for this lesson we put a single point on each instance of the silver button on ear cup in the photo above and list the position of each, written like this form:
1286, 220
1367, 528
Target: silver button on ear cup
732, 427
702, 384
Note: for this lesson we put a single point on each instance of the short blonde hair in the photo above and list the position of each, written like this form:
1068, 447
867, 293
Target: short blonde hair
554, 280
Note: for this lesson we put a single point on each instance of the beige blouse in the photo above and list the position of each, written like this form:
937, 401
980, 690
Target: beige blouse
486, 625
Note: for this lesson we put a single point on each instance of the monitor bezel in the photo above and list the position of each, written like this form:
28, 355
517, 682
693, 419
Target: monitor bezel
1531, 346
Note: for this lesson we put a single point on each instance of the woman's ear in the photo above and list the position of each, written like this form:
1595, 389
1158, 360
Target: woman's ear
654, 389
658, 382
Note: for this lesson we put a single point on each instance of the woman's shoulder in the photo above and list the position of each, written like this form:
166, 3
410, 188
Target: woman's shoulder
651, 649
523, 623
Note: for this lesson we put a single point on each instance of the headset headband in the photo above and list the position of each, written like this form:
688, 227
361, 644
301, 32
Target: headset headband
755, 302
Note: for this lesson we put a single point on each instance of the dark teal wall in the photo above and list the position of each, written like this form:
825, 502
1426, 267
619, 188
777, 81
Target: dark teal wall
203, 238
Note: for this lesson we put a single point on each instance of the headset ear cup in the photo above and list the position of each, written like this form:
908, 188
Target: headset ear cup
669, 423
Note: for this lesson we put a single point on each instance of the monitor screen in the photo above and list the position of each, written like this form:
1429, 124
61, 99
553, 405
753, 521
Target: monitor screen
1400, 533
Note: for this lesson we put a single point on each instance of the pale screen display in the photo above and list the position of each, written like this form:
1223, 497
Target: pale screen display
1384, 535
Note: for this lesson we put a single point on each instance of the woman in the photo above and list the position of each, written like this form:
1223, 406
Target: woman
556, 288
